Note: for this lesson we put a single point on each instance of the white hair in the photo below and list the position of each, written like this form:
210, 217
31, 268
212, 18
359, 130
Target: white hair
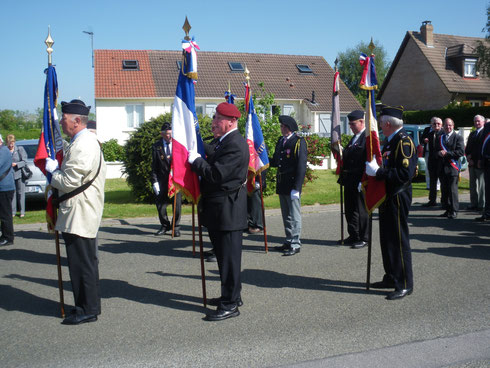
395, 122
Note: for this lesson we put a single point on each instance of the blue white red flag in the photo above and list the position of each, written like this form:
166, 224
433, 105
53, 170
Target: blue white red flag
230, 97
374, 190
185, 127
50, 142
259, 159
368, 79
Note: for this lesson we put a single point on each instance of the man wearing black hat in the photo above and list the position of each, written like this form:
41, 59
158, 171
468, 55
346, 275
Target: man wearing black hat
353, 159
397, 171
223, 204
160, 170
80, 181
290, 158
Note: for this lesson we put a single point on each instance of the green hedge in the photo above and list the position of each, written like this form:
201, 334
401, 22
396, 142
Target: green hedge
462, 116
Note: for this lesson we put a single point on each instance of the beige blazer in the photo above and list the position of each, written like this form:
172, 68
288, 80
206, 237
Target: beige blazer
81, 214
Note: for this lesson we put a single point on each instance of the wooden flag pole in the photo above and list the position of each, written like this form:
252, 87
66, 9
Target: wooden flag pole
341, 214
193, 232
203, 276
368, 272
60, 278
263, 213
173, 214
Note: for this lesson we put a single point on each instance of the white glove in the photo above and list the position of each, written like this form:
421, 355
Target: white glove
192, 156
257, 185
51, 165
359, 188
294, 194
372, 167
156, 188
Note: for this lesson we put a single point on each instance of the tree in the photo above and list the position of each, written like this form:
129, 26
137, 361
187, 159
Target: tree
483, 49
351, 70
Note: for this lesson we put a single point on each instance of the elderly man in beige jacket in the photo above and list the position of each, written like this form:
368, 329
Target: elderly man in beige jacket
80, 181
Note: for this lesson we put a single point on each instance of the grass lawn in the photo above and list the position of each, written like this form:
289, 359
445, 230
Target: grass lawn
119, 202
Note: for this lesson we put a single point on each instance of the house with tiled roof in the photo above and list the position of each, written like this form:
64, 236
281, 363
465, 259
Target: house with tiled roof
132, 86
432, 70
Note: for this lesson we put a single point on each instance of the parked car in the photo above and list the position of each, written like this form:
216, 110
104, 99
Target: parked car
415, 132
36, 185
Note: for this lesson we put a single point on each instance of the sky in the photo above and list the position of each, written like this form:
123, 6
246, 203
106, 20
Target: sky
315, 27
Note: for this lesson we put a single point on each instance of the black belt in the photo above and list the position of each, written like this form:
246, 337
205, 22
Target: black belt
401, 189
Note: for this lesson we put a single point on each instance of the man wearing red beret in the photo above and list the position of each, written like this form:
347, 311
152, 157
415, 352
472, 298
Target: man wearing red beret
223, 205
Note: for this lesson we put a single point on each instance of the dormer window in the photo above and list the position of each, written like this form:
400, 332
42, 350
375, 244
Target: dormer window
470, 68
303, 68
236, 66
130, 65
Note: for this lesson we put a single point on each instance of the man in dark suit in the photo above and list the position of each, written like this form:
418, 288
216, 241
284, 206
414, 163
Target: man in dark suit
484, 147
290, 158
223, 204
473, 154
353, 159
160, 170
433, 160
399, 165
450, 149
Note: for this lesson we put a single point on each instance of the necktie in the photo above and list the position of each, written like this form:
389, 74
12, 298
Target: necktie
167, 150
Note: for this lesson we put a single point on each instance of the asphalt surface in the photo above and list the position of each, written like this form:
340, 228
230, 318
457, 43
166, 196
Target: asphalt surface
308, 310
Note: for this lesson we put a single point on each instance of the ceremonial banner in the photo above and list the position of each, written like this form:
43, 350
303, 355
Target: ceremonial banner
185, 127
50, 142
259, 160
335, 139
374, 190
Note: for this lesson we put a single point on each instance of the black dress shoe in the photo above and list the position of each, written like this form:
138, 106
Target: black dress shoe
359, 244
6, 242
222, 314
452, 215
482, 219
77, 319
282, 248
291, 251
161, 231
398, 294
347, 241
429, 204
445, 214
211, 258
215, 301
384, 284
471, 208
169, 232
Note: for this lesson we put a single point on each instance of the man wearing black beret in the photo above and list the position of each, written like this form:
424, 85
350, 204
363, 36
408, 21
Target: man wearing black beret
290, 158
80, 181
397, 171
353, 159
160, 171
223, 204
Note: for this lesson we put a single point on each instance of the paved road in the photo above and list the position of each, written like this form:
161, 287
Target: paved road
309, 310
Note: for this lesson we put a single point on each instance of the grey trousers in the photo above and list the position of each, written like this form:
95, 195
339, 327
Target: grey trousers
291, 218
19, 197
477, 187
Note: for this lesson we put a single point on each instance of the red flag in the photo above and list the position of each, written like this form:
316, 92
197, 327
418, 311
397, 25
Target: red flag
335, 139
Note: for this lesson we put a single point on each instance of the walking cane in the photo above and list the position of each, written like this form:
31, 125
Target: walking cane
60, 279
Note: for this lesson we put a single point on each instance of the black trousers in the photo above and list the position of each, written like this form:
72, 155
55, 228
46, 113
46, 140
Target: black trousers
84, 273
434, 176
7, 224
254, 209
394, 239
356, 214
227, 246
449, 193
486, 175
162, 201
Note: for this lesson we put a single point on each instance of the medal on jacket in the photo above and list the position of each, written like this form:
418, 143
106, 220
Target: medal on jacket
405, 163
386, 156
288, 153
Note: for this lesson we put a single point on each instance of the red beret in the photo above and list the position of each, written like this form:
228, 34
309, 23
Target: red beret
228, 109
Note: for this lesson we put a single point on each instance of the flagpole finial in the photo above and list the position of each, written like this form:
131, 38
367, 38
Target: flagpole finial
247, 75
336, 63
186, 27
229, 87
371, 45
49, 42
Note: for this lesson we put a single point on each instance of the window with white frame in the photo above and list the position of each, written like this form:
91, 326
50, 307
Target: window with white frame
470, 68
324, 125
288, 110
210, 109
135, 115
199, 110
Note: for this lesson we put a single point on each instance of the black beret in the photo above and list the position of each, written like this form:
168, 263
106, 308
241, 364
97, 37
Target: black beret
91, 124
356, 115
228, 109
289, 122
165, 127
77, 107
396, 112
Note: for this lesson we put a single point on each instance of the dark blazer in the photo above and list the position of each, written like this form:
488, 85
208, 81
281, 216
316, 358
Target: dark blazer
353, 162
472, 149
399, 163
425, 134
455, 149
223, 204
432, 146
290, 160
160, 166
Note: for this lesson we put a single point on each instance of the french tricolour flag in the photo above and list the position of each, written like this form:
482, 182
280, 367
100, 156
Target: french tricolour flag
185, 127
368, 79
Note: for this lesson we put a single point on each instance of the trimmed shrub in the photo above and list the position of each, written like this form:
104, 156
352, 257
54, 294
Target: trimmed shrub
112, 151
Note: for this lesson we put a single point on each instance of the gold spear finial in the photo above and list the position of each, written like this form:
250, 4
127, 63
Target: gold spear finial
49, 42
247, 75
229, 87
371, 46
186, 27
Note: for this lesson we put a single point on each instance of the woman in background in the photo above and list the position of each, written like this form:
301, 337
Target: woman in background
19, 160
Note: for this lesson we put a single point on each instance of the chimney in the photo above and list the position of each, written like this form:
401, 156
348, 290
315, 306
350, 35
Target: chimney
427, 33
313, 97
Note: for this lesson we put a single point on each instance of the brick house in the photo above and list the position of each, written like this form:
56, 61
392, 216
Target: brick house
431, 70
132, 86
